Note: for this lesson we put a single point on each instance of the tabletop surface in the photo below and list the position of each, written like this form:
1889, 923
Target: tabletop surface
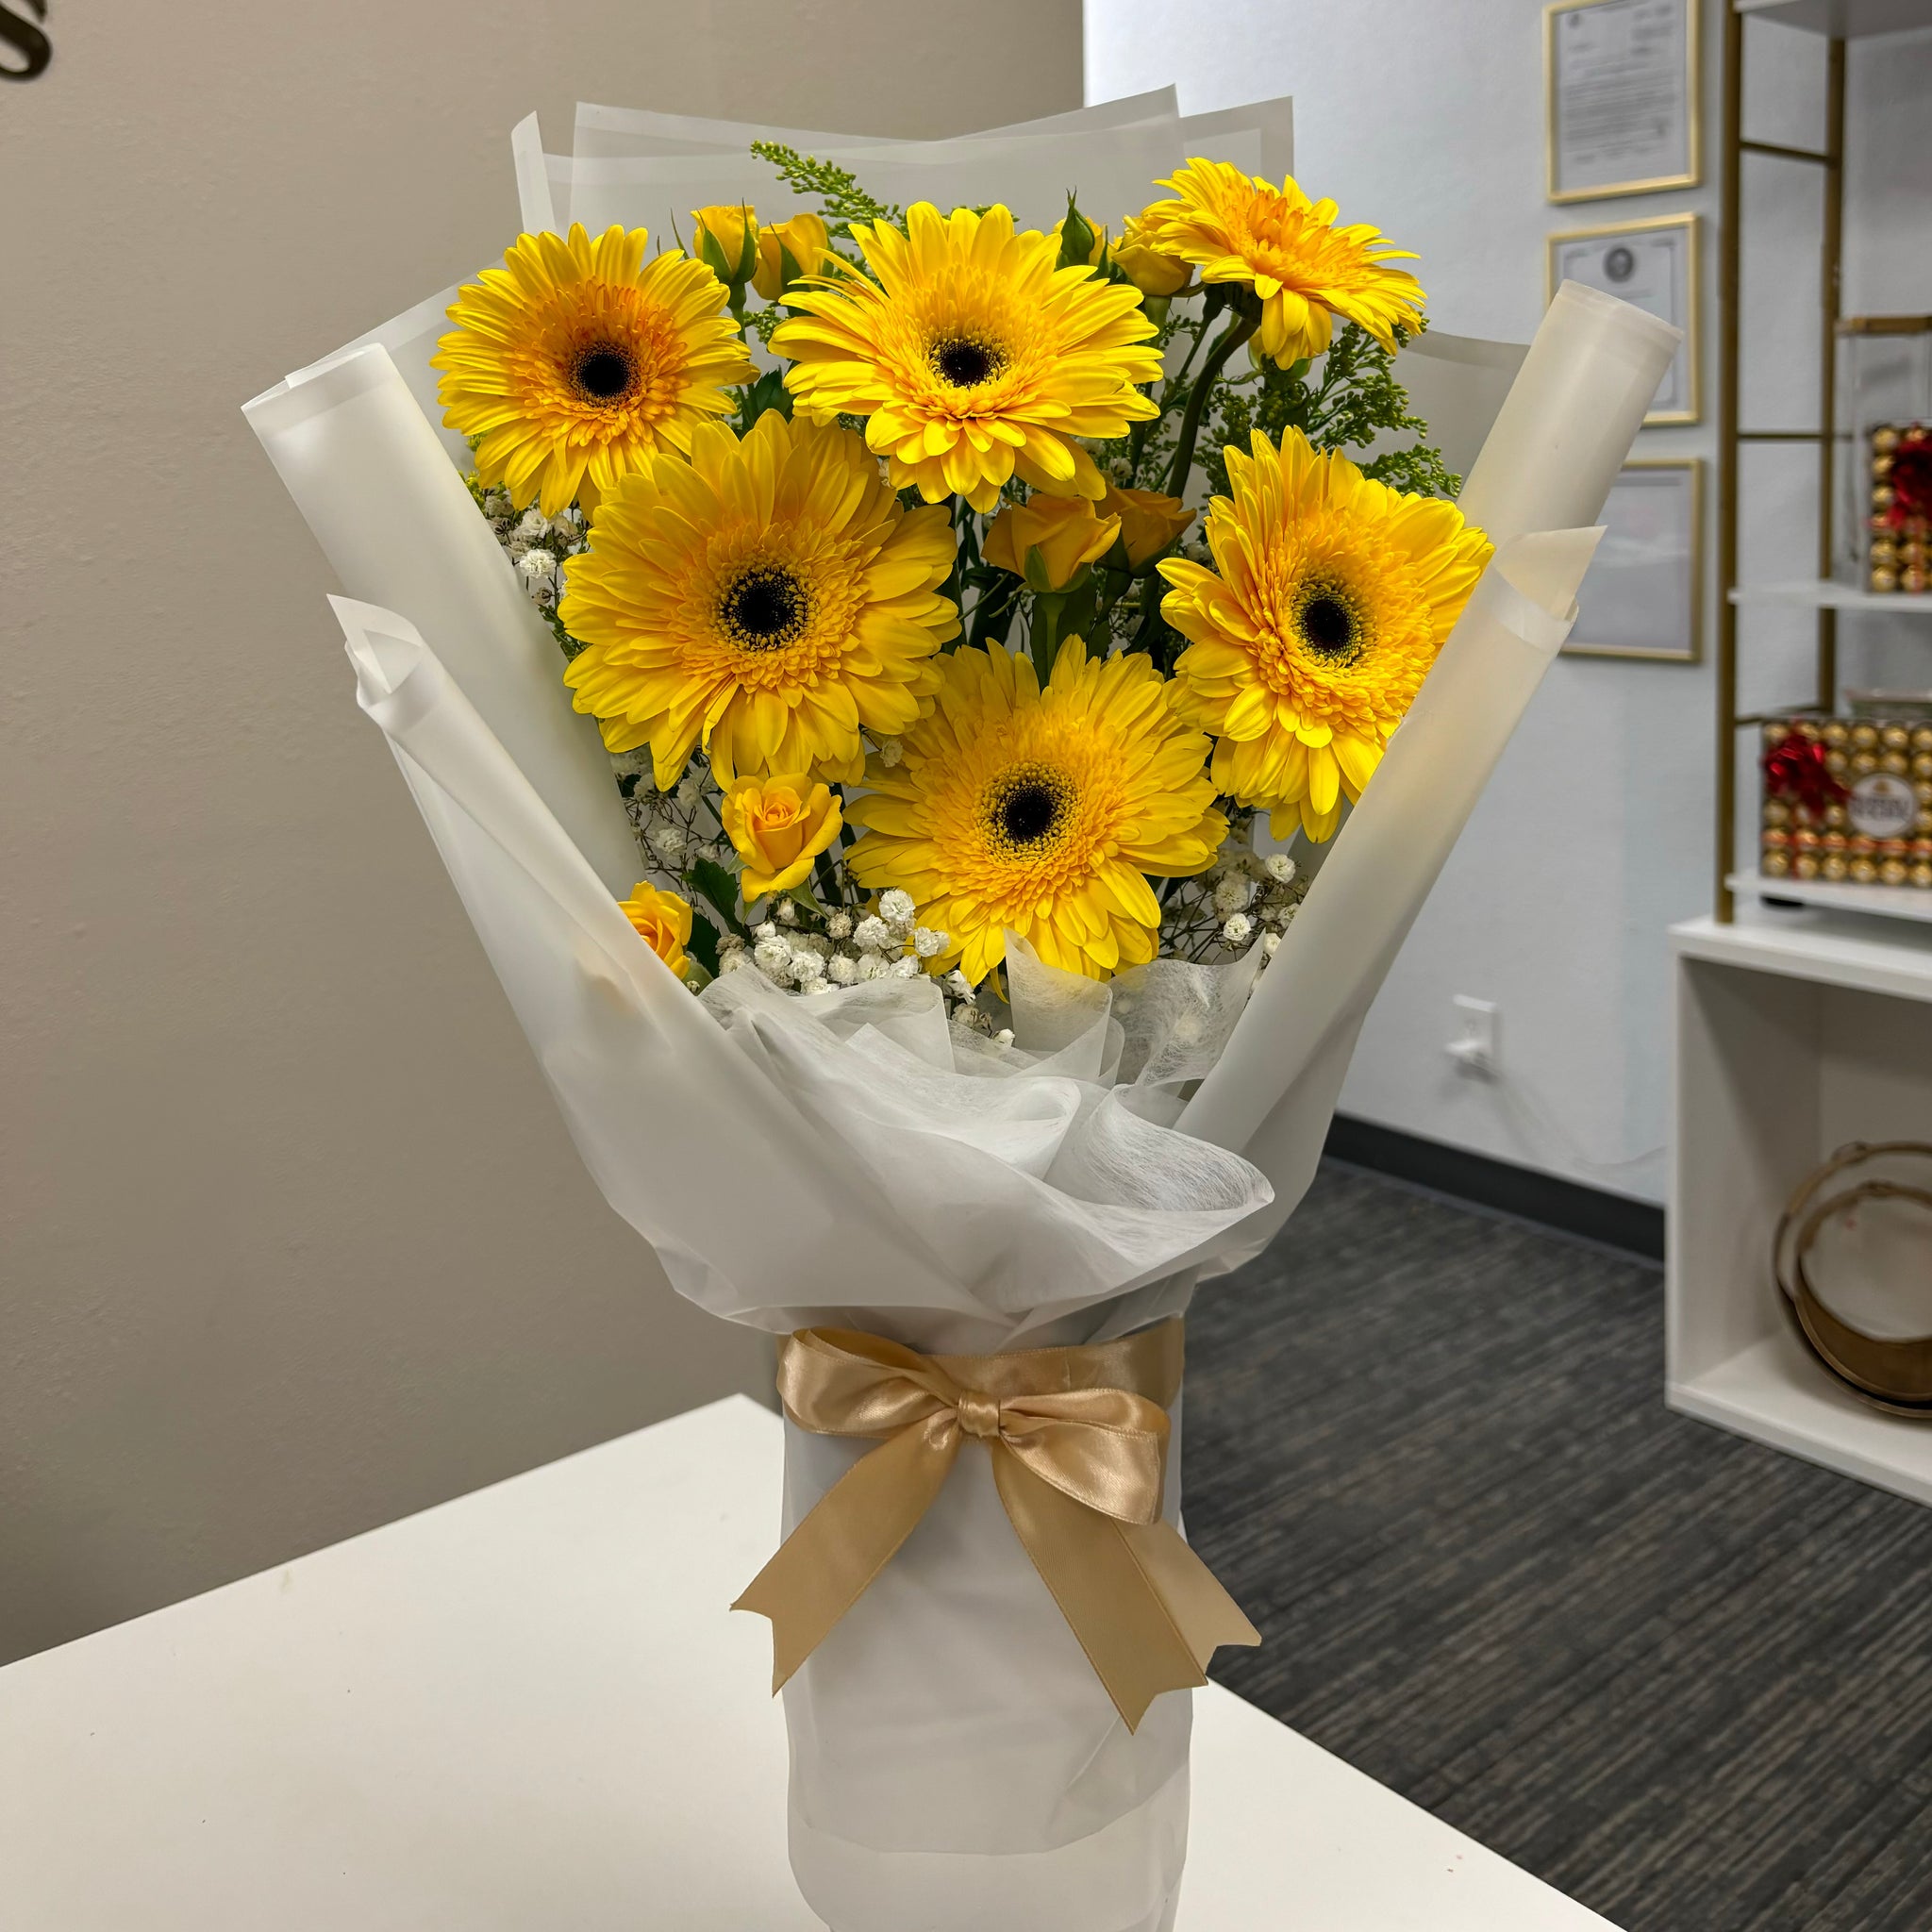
529, 1710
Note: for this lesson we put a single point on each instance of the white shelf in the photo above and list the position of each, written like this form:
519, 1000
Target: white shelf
1847, 20
1776, 1393
1816, 945
1826, 593
1910, 903
1794, 1031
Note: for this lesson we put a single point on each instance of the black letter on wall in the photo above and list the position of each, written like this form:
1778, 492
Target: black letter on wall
25, 39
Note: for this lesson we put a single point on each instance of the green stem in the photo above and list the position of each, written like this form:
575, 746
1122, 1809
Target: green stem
1137, 439
1242, 324
1045, 635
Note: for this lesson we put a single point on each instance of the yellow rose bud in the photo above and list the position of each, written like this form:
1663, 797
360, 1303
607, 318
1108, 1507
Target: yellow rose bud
1149, 522
663, 922
1049, 540
1080, 240
778, 826
789, 250
725, 240
1150, 270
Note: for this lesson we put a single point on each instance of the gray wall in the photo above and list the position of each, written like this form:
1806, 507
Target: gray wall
291, 1240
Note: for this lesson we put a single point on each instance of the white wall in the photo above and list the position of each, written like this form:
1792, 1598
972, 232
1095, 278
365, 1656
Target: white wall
1426, 118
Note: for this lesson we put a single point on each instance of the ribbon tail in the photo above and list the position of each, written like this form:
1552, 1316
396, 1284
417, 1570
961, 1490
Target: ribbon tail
1203, 1611
854, 1530
1112, 1593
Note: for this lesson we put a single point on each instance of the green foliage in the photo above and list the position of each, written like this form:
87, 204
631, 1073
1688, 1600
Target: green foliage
1342, 400
703, 943
754, 398
721, 888
843, 200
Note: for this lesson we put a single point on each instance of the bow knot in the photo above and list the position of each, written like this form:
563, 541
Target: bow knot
1079, 1441
978, 1413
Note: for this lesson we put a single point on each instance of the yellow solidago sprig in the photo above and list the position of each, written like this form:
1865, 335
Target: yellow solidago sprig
577, 360
1329, 598
1042, 812
769, 601
1238, 229
974, 357
779, 827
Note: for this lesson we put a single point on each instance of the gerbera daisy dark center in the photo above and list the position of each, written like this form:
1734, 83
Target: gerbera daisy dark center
604, 372
1328, 625
764, 608
965, 361
1026, 808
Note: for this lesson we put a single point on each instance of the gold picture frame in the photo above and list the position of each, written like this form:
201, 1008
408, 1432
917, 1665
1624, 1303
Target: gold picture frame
1693, 130
1692, 649
1687, 368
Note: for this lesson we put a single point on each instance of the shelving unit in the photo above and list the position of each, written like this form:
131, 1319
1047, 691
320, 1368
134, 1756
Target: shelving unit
1796, 1027
1837, 20
1794, 1033
1867, 902
1816, 593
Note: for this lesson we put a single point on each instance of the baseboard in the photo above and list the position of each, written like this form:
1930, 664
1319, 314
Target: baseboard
1613, 1219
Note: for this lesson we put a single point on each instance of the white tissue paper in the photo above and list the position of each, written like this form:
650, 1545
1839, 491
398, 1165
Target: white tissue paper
848, 1158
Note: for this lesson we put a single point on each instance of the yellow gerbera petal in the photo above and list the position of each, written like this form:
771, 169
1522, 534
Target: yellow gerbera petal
1042, 812
1240, 228
1334, 594
972, 355
769, 601
577, 360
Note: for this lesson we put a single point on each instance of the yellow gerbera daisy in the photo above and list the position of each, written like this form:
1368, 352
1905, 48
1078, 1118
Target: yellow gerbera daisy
1240, 228
576, 359
764, 600
972, 357
1041, 812
1333, 595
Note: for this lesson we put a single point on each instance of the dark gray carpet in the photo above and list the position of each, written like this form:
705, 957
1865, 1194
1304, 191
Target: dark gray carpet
1685, 1679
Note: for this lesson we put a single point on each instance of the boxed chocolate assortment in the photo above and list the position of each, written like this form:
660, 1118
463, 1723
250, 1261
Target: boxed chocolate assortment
1900, 515
1848, 799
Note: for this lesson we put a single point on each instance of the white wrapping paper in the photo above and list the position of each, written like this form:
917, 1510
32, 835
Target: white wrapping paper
636, 166
846, 1160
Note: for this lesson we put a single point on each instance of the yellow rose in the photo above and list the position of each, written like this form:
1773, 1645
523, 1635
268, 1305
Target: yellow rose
788, 250
725, 240
662, 920
1049, 540
1150, 271
778, 826
1149, 522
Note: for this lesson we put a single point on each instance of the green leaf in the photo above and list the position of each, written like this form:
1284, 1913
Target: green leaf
721, 888
703, 943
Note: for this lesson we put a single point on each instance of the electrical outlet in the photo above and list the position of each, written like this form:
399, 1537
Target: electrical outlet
1473, 1046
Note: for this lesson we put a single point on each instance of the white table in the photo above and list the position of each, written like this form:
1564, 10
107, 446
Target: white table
529, 1710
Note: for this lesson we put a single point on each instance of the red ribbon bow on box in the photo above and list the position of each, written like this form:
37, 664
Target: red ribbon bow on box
1797, 768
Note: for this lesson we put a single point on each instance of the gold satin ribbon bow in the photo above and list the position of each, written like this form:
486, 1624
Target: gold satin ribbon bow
1078, 1440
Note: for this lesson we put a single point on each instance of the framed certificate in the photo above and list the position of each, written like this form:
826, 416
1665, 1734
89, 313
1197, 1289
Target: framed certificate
1654, 265
1643, 596
1620, 83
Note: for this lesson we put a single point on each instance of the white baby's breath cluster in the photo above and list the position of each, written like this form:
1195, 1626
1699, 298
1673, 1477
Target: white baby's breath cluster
807, 950
674, 829
1244, 897
537, 545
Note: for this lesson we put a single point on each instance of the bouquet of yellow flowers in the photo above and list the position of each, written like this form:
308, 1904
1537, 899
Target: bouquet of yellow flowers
899, 644
988, 626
